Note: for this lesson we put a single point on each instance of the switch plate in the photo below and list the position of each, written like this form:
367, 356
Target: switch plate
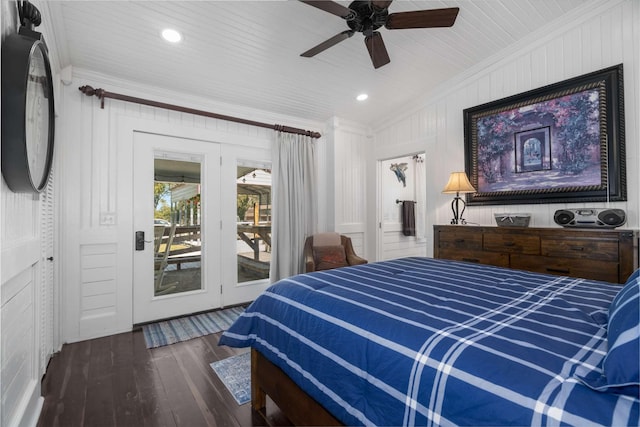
107, 218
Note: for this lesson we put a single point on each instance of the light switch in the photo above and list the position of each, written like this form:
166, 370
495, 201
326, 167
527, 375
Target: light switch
107, 218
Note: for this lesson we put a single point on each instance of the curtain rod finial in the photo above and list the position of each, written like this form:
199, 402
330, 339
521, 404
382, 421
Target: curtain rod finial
89, 91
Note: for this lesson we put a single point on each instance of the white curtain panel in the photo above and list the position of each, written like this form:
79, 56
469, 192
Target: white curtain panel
295, 210
421, 198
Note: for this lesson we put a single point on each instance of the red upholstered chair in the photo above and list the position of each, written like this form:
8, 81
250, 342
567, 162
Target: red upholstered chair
324, 251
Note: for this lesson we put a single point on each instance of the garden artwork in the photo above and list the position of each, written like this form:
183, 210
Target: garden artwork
561, 143
549, 144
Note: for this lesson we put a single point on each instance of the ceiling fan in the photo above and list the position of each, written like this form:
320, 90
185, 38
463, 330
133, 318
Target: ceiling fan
367, 16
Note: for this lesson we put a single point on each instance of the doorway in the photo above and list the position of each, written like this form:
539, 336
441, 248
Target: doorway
401, 179
176, 218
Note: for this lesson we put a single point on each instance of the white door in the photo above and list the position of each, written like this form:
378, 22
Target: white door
398, 181
245, 172
176, 226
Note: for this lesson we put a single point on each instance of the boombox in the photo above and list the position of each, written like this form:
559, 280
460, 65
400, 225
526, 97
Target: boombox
590, 217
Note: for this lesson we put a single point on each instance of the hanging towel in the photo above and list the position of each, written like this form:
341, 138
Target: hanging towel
409, 218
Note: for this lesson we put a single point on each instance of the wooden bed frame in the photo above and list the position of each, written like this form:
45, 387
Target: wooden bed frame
300, 408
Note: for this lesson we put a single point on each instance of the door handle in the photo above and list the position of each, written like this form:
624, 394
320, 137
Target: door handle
139, 240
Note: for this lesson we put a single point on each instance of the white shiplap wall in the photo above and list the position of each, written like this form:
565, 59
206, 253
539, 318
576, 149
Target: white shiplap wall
27, 309
591, 39
350, 144
27, 289
97, 268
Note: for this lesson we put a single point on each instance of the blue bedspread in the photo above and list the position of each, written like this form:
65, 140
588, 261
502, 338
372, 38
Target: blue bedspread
418, 341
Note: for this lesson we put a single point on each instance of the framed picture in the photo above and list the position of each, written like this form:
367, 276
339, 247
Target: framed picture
560, 143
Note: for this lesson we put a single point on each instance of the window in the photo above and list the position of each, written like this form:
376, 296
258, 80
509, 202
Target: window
253, 245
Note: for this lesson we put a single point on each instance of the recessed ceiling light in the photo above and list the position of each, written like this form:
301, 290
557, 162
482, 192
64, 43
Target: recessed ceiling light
362, 97
171, 36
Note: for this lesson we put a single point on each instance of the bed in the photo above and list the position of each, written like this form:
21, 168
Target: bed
420, 341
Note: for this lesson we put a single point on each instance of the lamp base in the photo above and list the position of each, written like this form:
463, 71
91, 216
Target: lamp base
455, 208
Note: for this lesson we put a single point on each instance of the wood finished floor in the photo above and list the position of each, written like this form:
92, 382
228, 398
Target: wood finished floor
117, 381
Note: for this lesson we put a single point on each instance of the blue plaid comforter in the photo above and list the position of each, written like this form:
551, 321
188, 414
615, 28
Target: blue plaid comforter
418, 341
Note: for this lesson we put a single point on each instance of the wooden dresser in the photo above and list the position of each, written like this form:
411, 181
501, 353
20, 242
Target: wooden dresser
598, 254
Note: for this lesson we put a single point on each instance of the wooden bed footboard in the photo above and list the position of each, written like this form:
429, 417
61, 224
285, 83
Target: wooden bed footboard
300, 408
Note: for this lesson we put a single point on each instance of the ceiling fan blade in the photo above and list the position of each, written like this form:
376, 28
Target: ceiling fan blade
377, 50
328, 43
332, 7
381, 4
422, 19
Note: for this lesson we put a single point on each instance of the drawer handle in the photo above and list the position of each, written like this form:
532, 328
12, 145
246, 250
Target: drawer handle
471, 259
558, 270
577, 248
459, 240
509, 244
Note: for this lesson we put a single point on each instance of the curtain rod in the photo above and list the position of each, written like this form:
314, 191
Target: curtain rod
102, 94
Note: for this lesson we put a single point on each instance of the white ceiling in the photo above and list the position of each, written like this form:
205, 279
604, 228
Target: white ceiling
247, 53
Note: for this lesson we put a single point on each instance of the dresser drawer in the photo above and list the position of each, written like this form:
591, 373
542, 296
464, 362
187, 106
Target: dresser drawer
593, 269
597, 254
489, 258
469, 239
512, 243
597, 249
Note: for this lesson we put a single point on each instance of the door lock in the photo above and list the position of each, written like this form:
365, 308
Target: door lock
139, 240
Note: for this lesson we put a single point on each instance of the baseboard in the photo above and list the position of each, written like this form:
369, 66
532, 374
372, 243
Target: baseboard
28, 412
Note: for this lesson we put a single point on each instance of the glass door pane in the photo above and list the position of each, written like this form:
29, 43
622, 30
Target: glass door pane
177, 219
253, 244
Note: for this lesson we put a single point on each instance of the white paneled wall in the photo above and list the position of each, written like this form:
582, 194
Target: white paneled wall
19, 353
351, 143
98, 290
591, 39
96, 173
27, 289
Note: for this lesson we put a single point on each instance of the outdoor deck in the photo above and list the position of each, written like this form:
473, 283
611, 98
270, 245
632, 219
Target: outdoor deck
189, 275
184, 259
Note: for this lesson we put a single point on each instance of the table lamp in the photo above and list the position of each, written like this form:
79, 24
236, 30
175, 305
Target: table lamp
458, 183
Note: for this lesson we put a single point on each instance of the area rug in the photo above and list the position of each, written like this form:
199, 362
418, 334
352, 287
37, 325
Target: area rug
235, 373
186, 328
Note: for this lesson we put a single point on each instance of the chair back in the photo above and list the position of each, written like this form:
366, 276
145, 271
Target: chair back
324, 251
161, 257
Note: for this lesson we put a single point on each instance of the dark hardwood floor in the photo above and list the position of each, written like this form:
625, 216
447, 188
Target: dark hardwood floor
117, 381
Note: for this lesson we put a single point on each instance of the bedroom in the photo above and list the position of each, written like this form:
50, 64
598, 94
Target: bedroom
590, 37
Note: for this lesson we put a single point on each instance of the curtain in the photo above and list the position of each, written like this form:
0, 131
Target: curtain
421, 197
294, 206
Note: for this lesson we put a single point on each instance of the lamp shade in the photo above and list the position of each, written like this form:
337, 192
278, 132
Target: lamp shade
458, 183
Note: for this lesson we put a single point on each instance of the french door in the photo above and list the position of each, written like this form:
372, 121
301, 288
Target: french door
176, 226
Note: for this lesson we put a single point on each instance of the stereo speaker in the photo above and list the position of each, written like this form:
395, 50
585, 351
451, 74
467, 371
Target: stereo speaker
590, 218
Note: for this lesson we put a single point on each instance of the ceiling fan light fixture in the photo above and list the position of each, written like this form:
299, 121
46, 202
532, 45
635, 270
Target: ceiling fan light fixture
367, 17
362, 97
171, 35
